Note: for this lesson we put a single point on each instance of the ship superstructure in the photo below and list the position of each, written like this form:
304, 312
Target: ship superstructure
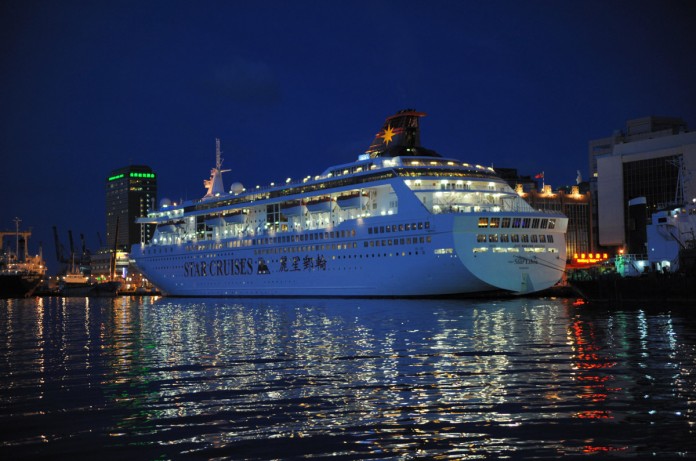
671, 239
401, 220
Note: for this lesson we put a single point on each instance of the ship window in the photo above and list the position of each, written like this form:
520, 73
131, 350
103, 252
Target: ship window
504, 238
493, 238
549, 238
401, 241
495, 222
525, 223
552, 223
515, 238
516, 222
420, 225
393, 227
481, 238
525, 238
408, 227
483, 222
534, 238
544, 223
381, 229
388, 229
408, 240
389, 242
535, 223
542, 238
369, 230
401, 227
422, 240
427, 225
506, 222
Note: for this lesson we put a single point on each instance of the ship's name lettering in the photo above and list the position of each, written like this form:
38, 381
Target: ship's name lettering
523, 260
219, 267
307, 263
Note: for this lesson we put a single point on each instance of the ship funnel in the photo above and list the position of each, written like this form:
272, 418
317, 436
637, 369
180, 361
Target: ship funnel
400, 136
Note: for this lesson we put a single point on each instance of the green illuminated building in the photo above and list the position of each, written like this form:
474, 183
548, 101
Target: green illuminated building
131, 192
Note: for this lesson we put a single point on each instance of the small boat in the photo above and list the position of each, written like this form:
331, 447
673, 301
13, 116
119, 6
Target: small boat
77, 284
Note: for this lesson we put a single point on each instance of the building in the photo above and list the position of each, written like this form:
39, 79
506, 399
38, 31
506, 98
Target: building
654, 158
574, 202
131, 192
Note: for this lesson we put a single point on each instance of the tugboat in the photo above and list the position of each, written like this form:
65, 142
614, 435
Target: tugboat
77, 284
19, 278
87, 286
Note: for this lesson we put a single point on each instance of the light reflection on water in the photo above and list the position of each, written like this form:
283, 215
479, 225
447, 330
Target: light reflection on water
352, 379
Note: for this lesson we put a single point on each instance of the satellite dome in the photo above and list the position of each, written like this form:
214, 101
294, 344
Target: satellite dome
236, 188
165, 202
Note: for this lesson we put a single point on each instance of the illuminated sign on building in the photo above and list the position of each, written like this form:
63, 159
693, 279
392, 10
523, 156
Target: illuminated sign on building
589, 258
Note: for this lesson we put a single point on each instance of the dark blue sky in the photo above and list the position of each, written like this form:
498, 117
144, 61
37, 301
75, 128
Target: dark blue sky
292, 87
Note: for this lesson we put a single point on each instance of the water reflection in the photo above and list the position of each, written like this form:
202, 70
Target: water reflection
353, 378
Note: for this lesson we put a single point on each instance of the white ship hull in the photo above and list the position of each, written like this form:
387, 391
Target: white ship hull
448, 261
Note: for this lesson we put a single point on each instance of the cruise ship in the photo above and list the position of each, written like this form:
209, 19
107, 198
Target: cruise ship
399, 221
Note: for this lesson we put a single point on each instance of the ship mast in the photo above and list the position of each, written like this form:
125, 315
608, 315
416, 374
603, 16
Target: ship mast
17, 221
215, 185
218, 154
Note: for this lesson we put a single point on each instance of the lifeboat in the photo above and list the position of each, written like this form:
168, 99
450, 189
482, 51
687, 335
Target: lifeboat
352, 200
319, 205
215, 222
293, 208
236, 217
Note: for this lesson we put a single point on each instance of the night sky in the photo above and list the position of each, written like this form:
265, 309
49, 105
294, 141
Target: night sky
293, 87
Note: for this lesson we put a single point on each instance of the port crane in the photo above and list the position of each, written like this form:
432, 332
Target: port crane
83, 259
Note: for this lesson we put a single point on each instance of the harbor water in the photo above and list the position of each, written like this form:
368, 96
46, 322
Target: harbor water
347, 379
